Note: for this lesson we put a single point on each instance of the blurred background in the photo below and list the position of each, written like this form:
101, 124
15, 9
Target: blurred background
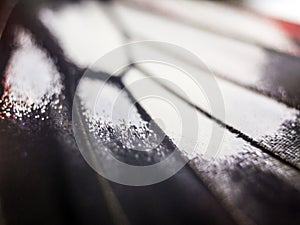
251, 48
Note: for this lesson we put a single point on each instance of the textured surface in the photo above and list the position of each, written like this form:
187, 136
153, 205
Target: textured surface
44, 179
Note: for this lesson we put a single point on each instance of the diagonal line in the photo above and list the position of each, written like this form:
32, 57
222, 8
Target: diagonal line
113, 203
256, 89
226, 78
237, 215
164, 12
117, 21
233, 211
230, 128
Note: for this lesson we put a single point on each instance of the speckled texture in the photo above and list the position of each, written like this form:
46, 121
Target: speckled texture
256, 188
286, 141
44, 179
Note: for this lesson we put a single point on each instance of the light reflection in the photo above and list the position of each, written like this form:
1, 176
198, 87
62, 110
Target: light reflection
84, 30
31, 79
